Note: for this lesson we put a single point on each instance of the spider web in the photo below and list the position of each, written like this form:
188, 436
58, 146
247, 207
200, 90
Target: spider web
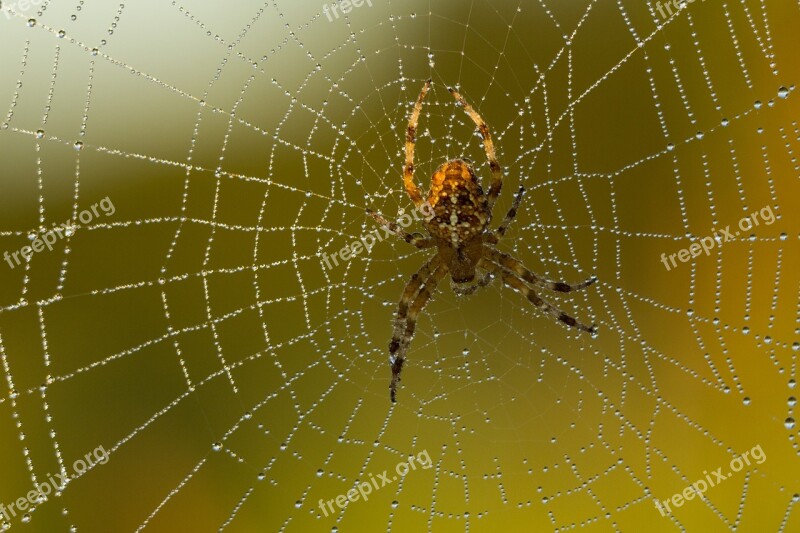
235, 382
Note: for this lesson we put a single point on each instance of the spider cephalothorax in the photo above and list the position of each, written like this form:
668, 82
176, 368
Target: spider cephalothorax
459, 228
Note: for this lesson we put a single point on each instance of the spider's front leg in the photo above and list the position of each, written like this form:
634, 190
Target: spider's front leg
488, 147
411, 139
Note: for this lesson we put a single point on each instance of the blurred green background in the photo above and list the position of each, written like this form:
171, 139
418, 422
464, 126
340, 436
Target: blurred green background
235, 383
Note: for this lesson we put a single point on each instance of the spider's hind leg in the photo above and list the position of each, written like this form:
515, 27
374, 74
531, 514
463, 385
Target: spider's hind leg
516, 283
514, 265
418, 291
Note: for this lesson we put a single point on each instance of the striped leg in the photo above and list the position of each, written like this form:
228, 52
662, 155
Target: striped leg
501, 230
515, 266
415, 239
516, 283
411, 136
406, 320
488, 146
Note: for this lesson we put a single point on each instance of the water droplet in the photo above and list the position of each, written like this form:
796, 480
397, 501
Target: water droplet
724, 122
670, 147
31, 23
26, 518
395, 504
792, 401
61, 34
783, 92
217, 446
746, 400
789, 423
757, 104
699, 134
78, 145
39, 134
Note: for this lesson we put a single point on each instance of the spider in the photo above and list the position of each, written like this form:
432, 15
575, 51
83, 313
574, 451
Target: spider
458, 227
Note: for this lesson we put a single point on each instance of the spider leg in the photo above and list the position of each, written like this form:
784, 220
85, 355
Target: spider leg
515, 266
466, 290
413, 239
516, 283
411, 134
488, 146
495, 236
406, 321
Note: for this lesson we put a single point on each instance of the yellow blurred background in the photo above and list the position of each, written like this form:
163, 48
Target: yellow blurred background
235, 383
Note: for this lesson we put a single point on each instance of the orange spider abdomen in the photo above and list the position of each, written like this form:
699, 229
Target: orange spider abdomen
459, 205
